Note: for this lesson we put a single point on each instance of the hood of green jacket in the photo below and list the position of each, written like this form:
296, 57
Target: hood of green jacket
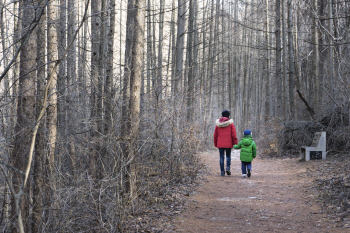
247, 140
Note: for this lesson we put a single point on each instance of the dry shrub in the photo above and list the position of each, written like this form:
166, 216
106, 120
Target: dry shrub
338, 128
266, 139
165, 164
296, 134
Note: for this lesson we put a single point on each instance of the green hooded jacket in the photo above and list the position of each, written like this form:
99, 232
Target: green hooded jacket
248, 148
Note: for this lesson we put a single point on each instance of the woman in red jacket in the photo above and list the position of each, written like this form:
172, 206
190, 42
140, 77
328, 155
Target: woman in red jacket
224, 139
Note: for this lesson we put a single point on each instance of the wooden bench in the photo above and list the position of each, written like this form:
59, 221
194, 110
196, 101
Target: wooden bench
317, 150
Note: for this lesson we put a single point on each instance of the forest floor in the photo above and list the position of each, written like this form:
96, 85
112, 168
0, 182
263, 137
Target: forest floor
280, 196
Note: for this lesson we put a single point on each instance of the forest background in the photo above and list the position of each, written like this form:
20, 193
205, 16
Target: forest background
104, 103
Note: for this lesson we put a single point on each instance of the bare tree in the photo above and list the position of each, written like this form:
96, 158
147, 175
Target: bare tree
132, 84
279, 100
291, 61
181, 21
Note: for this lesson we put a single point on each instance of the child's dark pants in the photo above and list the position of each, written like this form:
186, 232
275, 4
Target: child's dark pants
245, 166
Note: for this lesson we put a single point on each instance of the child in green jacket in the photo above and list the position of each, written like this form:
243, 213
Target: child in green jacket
248, 152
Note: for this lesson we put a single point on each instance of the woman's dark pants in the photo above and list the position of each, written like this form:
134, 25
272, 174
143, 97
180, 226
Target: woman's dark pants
222, 159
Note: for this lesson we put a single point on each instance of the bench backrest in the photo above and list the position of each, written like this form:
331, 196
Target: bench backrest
319, 140
316, 139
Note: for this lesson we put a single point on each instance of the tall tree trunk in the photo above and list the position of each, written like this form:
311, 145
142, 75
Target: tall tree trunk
25, 111
5, 62
278, 60
190, 48
132, 76
210, 72
101, 69
159, 85
173, 49
149, 49
181, 21
62, 72
17, 26
238, 113
52, 50
109, 124
316, 58
71, 62
95, 59
291, 60
38, 184
268, 107
331, 52
243, 78
284, 62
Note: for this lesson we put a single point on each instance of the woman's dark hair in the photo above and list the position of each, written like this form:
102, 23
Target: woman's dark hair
225, 113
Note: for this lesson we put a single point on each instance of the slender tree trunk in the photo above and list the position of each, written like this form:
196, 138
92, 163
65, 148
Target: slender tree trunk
109, 124
210, 71
159, 85
284, 62
173, 49
4, 52
316, 60
17, 25
243, 79
25, 112
71, 63
52, 50
38, 184
95, 62
132, 73
181, 21
279, 82
101, 73
238, 113
268, 107
61, 84
291, 61
149, 49
331, 52
190, 48
121, 84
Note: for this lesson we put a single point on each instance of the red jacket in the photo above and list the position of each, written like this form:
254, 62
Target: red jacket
225, 133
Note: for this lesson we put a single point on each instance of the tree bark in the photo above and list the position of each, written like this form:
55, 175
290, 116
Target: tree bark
181, 21
25, 111
38, 175
279, 82
331, 52
95, 62
190, 48
132, 76
291, 61
284, 62
62, 70
159, 85
316, 58
109, 124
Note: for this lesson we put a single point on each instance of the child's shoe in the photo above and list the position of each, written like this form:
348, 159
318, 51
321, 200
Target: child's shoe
244, 175
249, 174
228, 172
222, 173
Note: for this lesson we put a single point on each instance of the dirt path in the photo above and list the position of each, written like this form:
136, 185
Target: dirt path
274, 199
